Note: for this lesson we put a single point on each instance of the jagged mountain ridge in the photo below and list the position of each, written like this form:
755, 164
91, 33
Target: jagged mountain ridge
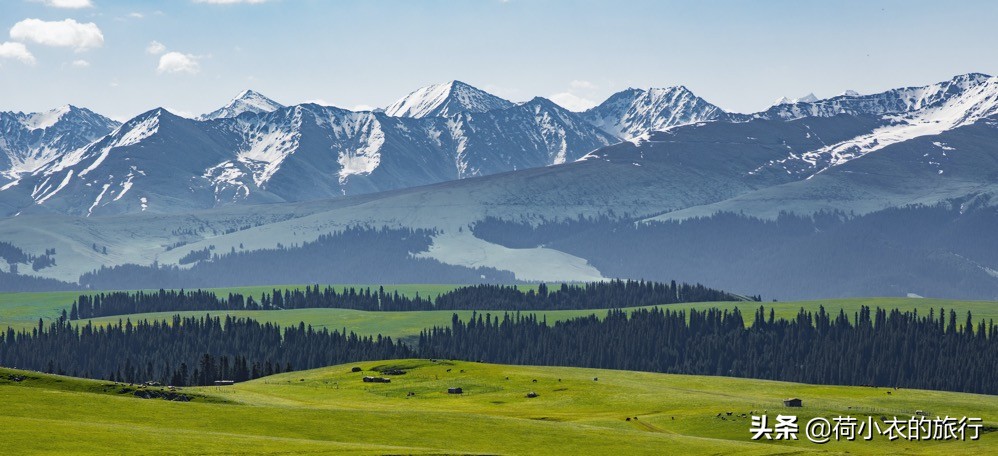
167, 163
253, 150
635, 112
907, 113
30, 141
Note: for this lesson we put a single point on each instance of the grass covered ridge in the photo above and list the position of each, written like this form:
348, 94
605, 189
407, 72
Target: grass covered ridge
331, 411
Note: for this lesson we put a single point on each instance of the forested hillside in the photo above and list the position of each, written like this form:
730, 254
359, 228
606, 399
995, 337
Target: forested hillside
946, 250
353, 255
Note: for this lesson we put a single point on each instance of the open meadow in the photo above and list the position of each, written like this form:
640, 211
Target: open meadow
575, 411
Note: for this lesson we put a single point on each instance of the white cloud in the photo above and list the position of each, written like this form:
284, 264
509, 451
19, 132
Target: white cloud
67, 33
230, 2
16, 51
572, 102
582, 85
362, 107
136, 15
156, 48
80, 63
176, 62
69, 4
181, 112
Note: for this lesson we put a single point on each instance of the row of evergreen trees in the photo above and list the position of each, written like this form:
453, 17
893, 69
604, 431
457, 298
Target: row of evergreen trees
597, 295
880, 349
186, 351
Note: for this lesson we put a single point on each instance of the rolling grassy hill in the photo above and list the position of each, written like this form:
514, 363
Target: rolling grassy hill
331, 411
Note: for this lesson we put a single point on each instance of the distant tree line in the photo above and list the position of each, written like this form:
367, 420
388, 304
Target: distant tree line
597, 295
186, 351
353, 255
877, 348
12, 282
887, 349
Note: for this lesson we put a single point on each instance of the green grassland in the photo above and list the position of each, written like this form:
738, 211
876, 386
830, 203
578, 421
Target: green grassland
331, 411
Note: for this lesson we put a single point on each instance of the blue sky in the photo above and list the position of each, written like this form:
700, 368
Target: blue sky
739, 55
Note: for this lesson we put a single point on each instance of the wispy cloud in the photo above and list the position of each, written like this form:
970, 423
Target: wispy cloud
66, 33
572, 102
80, 63
156, 48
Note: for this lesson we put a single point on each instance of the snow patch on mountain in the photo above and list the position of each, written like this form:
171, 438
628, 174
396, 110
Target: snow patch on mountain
365, 159
542, 264
227, 179
97, 201
46, 195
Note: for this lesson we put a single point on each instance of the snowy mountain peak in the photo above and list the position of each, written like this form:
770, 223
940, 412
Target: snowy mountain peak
445, 99
43, 120
809, 98
634, 112
246, 101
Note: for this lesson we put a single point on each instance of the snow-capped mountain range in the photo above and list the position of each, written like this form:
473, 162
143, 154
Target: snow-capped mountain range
168, 163
255, 150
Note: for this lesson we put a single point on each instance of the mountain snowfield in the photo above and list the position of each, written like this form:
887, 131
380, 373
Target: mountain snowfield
160, 180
